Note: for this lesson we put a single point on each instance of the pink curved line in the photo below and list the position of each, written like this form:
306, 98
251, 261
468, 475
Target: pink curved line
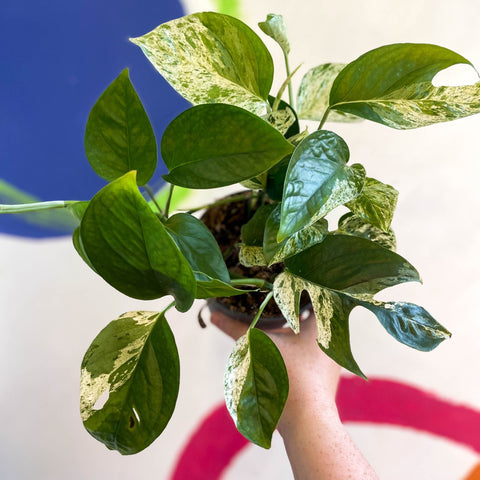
392, 403
216, 442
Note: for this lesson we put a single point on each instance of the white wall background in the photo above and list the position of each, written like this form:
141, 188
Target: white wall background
52, 305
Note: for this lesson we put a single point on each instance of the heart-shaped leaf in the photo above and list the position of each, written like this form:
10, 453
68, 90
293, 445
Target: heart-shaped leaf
314, 94
392, 85
215, 145
375, 204
256, 386
209, 57
317, 181
119, 136
133, 360
351, 264
306, 237
131, 249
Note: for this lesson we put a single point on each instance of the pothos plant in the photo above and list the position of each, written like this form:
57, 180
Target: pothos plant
237, 131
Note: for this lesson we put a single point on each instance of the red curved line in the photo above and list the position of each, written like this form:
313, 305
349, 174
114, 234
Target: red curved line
216, 441
392, 403
211, 448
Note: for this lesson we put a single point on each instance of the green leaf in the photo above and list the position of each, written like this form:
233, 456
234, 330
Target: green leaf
351, 264
198, 246
317, 181
131, 249
392, 85
314, 93
208, 287
353, 225
211, 146
256, 386
410, 324
276, 179
276, 28
119, 137
79, 247
375, 204
252, 232
211, 58
134, 360
331, 313
306, 237
294, 129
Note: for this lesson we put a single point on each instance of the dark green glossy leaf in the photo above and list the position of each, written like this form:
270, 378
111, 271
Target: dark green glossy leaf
133, 360
276, 28
119, 136
375, 204
214, 145
198, 246
276, 179
314, 93
306, 237
353, 225
317, 181
351, 264
253, 230
256, 386
408, 323
131, 249
78, 244
209, 57
392, 85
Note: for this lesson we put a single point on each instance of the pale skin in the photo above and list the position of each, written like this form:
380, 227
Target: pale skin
317, 444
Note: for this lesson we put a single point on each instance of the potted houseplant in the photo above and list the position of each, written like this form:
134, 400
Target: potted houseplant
279, 241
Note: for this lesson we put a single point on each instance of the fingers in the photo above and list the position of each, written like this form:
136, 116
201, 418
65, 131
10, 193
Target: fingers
231, 327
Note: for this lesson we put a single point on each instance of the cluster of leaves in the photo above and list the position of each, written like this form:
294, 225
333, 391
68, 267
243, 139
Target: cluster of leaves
236, 132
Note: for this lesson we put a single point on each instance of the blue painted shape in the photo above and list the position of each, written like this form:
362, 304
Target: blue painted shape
56, 58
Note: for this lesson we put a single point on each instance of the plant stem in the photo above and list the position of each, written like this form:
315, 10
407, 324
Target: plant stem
324, 118
169, 199
152, 196
290, 90
35, 207
255, 282
222, 201
261, 309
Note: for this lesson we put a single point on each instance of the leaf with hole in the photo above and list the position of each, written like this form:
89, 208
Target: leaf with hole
211, 146
119, 137
256, 386
131, 249
211, 58
317, 181
133, 360
392, 85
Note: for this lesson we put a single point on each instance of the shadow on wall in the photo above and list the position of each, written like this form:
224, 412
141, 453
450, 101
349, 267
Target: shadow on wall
57, 58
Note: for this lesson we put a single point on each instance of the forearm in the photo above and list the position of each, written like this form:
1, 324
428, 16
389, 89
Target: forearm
319, 447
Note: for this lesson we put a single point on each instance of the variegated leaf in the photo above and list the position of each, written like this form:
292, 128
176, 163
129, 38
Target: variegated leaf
375, 204
209, 57
317, 181
353, 225
331, 313
276, 28
282, 120
306, 237
392, 85
314, 92
134, 361
251, 256
256, 386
